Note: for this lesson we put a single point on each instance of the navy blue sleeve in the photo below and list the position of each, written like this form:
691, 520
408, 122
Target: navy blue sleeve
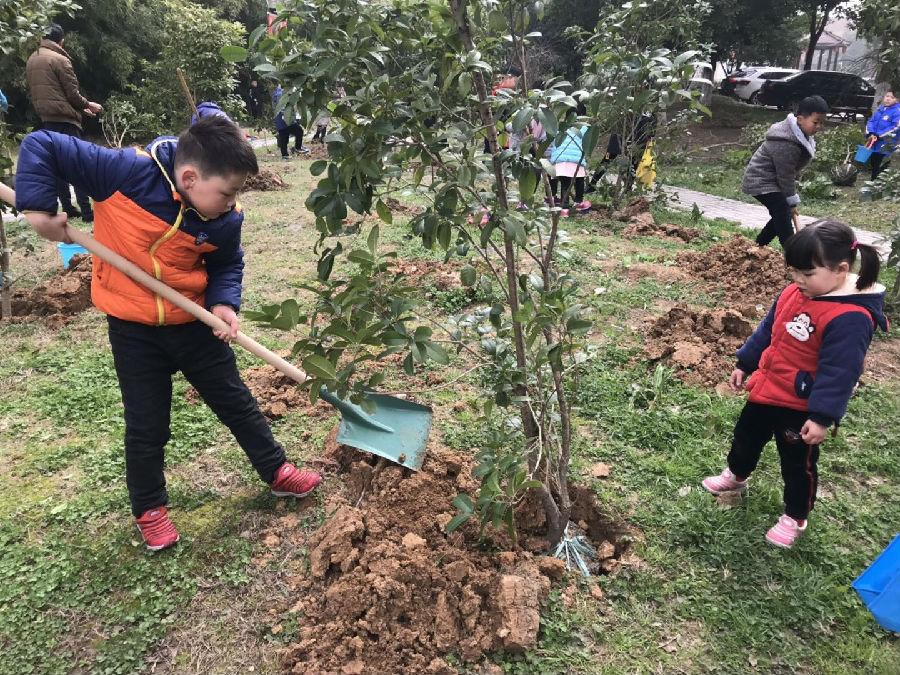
844, 345
46, 156
225, 273
748, 356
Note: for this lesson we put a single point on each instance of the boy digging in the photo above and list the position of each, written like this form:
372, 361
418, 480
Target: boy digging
172, 210
771, 176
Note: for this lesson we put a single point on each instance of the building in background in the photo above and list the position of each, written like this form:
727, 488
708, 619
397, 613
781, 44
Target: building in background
839, 49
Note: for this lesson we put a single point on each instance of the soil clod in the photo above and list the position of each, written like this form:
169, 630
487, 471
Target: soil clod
59, 298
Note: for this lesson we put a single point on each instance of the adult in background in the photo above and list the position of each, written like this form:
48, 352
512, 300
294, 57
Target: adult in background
254, 102
53, 87
771, 176
884, 128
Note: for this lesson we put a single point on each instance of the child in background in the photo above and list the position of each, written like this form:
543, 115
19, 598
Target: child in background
883, 128
285, 130
172, 210
771, 176
804, 361
570, 165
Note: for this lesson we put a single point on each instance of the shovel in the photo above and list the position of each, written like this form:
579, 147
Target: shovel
397, 430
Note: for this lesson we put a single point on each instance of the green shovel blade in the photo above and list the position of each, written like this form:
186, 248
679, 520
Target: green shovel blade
397, 430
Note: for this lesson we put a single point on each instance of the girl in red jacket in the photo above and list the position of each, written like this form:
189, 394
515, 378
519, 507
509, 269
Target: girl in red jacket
803, 362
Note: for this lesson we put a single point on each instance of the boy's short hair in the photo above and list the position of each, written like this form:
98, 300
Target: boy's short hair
55, 33
813, 104
217, 147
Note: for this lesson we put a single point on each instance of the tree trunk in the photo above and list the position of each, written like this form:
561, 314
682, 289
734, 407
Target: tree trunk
816, 29
5, 285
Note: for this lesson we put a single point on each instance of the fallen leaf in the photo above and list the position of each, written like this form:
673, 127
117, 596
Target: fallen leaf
277, 629
684, 491
752, 660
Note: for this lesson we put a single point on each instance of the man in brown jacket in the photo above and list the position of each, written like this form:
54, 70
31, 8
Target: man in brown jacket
56, 98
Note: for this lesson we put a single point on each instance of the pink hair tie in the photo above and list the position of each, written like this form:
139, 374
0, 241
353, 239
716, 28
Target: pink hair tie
854, 245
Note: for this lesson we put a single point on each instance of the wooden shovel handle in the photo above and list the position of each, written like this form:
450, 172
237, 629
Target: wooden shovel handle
130, 269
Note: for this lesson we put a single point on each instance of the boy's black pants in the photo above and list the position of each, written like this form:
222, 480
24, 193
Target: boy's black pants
755, 427
879, 163
146, 357
284, 136
780, 224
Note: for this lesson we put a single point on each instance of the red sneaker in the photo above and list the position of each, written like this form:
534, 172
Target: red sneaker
291, 482
156, 529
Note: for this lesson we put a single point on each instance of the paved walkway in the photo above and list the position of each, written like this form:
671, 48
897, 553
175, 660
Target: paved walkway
751, 216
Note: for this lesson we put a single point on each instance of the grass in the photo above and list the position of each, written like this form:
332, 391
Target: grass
700, 592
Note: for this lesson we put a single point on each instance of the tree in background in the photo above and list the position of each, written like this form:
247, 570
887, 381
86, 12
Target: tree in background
752, 31
818, 13
879, 22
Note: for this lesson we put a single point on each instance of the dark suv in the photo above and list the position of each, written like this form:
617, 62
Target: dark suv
845, 93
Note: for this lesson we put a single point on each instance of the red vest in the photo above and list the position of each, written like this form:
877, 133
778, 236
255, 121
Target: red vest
787, 368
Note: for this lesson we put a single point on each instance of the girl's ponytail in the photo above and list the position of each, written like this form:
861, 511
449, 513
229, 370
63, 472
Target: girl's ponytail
869, 265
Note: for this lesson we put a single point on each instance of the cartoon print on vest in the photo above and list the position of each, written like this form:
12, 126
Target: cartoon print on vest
801, 327
201, 239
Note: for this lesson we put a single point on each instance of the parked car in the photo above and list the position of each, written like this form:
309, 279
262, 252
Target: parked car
746, 83
844, 92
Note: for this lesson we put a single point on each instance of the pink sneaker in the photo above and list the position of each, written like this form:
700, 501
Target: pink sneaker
785, 532
564, 213
583, 207
291, 482
724, 482
156, 529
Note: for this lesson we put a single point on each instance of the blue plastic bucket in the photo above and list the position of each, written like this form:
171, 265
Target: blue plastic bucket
879, 587
862, 154
66, 251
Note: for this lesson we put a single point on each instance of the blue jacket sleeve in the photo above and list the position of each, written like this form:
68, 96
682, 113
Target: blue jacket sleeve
225, 272
844, 346
46, 156
748, 356
870, 125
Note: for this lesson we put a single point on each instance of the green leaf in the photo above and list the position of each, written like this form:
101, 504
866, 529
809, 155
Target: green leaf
408, 366
318, 167
319, 367
467, 276
527, 184
444, 232
456, 521
234, 53
384, 212
372, 241
578, 325
464, 84
463, 503
437, 353
418, 175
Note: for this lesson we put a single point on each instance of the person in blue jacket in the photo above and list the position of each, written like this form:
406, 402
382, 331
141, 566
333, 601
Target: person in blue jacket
570, 166
285, 130
884, 128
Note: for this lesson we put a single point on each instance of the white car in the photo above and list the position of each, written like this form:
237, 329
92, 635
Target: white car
746, 83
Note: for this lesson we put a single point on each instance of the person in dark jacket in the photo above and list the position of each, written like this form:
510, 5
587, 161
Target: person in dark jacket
55, 95
254, 101
883, 129
172, 210
803, 362
773, 171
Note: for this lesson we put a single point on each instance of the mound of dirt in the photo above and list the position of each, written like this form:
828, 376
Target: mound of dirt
642, 225
276, 393
634, 208
750, 275
389, 592
441, 275
264, 181
396, 206
699, 345
666, 273
60, 297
